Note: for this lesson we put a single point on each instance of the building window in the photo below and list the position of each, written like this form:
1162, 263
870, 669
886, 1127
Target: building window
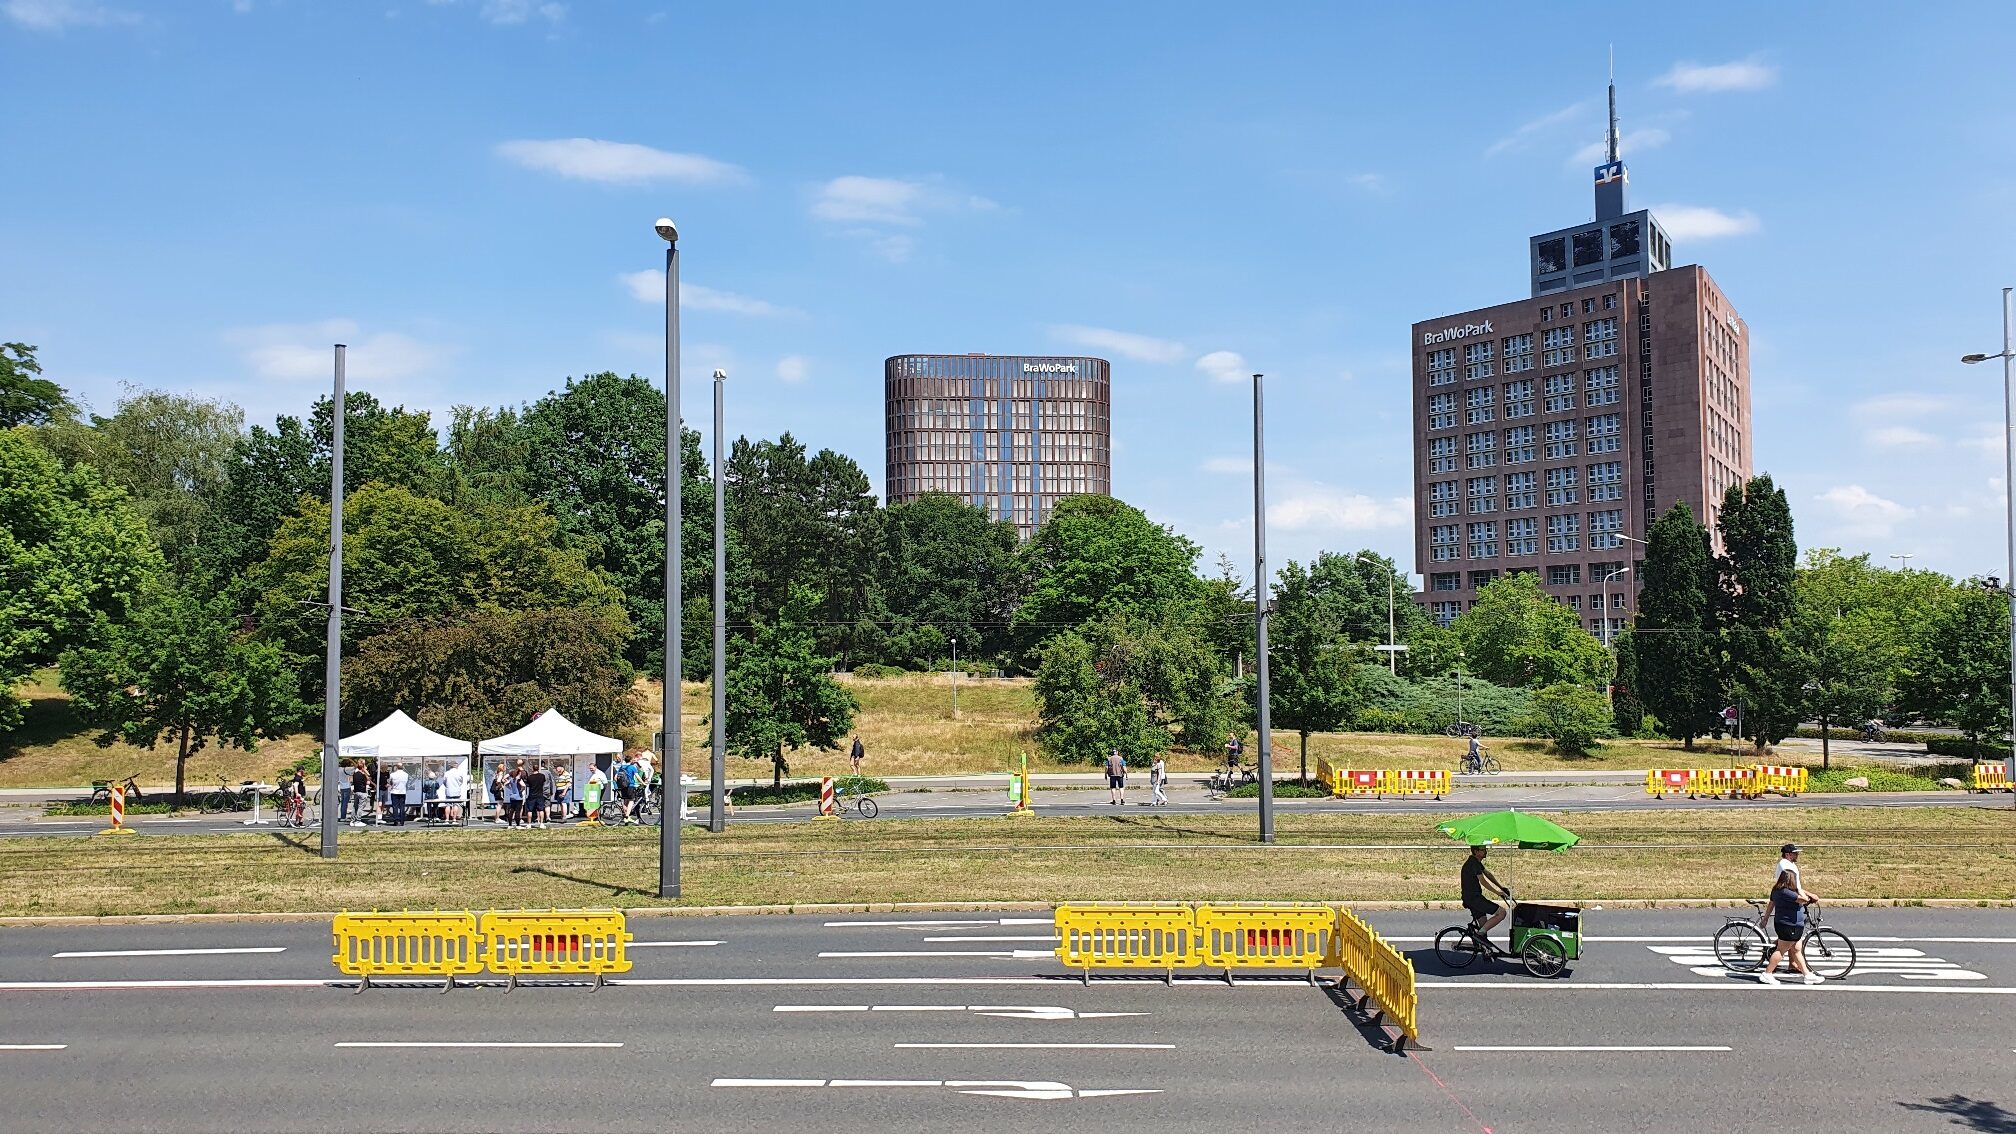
1610, 300
1481, 450
1574, 602
1522, 536
1589, 306
1442, 543
1547, 314
1481, 579
1444, 612
1564, 575
1442, 411
1567, 312
1606, 481
1588, 247
1519, 398
1477, 361
1484, 540
1560, 393
1518, 353
1604, 433
1560, 440
1561, 487
1442, 454
1597, 330
1483, 494
1519, 490
1442, 366
1442, 499
1564, 533
1602, 386
1550, 256
1519, 444
1604, 529
1446, 581
1623, 242
1560, 344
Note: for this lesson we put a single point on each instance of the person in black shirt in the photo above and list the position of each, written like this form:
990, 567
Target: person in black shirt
1485, 914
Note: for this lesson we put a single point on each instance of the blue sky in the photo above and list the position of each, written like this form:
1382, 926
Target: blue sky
202, 196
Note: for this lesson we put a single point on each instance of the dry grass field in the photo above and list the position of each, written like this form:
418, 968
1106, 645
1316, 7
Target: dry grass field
1963, 853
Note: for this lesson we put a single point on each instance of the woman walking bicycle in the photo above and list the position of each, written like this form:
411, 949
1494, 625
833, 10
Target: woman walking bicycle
1788, 920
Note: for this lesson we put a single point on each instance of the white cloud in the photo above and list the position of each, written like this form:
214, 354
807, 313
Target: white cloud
1888, 407
1688, 77
1528, 130
1633, 142
891, 246
793, 368
1370, 182
56, 15
1228, 466
1862, 512
295, 352
1321, 508
889, 200
592, 159
1899, 437
648, 286
1224, 366
1140, 348
509, 12
1700, 222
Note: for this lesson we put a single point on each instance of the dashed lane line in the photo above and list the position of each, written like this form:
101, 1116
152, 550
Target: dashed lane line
33, 1046
403, 1044
169, 952
1035, 1046
1590, 1047
669, 944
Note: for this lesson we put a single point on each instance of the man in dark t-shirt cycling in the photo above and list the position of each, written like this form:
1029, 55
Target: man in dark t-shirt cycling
1485, 914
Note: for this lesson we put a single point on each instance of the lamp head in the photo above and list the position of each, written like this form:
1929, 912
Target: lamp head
667, 229
720, 374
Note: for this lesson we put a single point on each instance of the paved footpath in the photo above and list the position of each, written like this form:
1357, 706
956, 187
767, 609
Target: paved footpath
884, 1023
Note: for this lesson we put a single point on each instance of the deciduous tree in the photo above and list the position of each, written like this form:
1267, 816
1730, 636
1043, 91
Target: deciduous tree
1675, 630
1517, 634
781, 696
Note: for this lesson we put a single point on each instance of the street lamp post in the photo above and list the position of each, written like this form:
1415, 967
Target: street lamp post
1392, 650
1904, 560
717, 767
1606, 602
669, 817
955, 679
332, 660
1262, 714
2008, 357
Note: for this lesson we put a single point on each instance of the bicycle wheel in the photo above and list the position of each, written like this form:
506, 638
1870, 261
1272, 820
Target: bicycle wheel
1829, 953
1740, 947
217, 801
611, 812
1455, 948
1544, 957
1490, 764
867, 807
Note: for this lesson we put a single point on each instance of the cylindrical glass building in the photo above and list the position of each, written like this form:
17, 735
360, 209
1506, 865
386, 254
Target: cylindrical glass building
1012, 434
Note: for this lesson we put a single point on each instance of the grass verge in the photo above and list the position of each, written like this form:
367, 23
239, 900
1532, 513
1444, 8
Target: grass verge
1933, 852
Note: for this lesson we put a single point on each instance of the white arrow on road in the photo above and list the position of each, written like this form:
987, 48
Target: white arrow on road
1006, 1012
1042, 1090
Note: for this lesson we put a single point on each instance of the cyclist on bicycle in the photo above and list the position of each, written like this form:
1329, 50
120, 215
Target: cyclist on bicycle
1473, 758
1485, 914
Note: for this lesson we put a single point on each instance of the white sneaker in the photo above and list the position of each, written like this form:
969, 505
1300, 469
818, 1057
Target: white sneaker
1767, 978
1815, 978
541, 826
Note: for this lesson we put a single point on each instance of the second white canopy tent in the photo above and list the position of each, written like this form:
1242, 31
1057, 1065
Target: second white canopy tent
552, 740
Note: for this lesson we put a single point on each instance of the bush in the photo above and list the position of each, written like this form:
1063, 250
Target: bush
1887, 779
1575, 718
1283, 789
1428, 707
876, 669
77, 807
1941, 744
1888, 736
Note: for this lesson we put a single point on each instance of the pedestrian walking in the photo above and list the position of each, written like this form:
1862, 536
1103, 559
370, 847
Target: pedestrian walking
1788, 919
535, 796
1158, 779
627, 788
499, 777
345, 793
1116, 778
395, 795
360, 792
855, 754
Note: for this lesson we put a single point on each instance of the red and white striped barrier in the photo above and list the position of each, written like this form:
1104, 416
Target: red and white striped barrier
827, 808
1416, 781
1358, 781
118, 826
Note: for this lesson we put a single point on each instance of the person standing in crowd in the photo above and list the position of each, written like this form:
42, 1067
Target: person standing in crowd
563, 788
627, 787
395, 795
498, 776
1116, 778
416, 792
535, 796
1158, 779
647, 771
430, 790
856, 754
514, 795
345, 793
598, 784
360, 791
455, 791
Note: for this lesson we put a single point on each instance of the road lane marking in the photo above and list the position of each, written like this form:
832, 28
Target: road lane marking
155, 985
998, 955
170, 951
1910, 964
1006, 1012
953, 923
33, 1046
997, 1088
668, 944
1745, 985
1035, 1046
473, 1043
982, 940
1591, 1047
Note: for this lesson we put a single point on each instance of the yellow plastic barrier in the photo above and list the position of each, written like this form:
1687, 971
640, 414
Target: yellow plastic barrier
406, 944
1265, 937
1326, 775
1359, 781
1415, 781
1143, 935
557, 943
1383, 972
1663, 782
1735, 783
1778, 778
1991, 777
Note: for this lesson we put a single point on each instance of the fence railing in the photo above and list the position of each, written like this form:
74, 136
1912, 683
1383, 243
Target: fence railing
447, 945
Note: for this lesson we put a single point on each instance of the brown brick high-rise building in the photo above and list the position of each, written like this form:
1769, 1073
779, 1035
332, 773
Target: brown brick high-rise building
1550, 432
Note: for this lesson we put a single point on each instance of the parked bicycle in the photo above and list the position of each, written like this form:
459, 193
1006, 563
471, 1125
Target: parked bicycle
1225, 779
101, 790
1463, 728
228, 798
862, 804
1741, 944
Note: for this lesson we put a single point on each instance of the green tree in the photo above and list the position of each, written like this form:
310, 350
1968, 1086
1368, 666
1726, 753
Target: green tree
71, 551
1627, 712
26, 398
1084, 714
1314, 676
1096, 556
180, 669
1574, 717
1518, 634
781, 696
486, 672
1757, 599
173, 455
947, 572
1152, 681
810, 522
1962, 671
489, 454
1674, 632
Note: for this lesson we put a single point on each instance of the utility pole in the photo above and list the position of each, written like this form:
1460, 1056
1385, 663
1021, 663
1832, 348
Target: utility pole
332, 643
1260, 604
669, 760
2008, 357
717, 773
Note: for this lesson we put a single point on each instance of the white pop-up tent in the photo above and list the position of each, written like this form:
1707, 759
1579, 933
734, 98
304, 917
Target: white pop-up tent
552, 742
399, 741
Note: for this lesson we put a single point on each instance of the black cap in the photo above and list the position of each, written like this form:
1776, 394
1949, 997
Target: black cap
1789, 848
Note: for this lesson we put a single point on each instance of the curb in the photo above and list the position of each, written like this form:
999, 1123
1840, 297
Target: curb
1010, 907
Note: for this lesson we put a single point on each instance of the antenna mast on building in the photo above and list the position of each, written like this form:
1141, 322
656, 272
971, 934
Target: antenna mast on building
1614, 144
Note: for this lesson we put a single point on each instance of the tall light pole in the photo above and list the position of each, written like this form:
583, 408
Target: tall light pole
955, 679
2008, 357
1392, 650
1904, 560
669, 760
1260, 604
1606, 602
717, 768
332, 645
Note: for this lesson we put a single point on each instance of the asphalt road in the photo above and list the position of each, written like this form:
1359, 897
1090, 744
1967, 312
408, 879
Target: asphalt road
879, 1023
954, 798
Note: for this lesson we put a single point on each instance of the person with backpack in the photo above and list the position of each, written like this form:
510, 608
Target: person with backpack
628, 789
856, 754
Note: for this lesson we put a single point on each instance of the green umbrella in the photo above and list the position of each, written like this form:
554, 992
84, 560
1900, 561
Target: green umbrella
1527, 832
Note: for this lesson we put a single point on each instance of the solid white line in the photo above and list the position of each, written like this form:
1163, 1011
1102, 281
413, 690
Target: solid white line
780, 1083
33, 1046
468, 1043
999, 955
1037, 1046
978, 940
1592, 1047
170, 951
820, 1008
667, 944
1712, 986
123, 985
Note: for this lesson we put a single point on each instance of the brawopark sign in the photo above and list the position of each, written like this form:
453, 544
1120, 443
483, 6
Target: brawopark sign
1463, 332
